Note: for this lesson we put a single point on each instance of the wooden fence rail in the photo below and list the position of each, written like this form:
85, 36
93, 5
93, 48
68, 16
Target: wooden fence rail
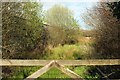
10, 62
60, 64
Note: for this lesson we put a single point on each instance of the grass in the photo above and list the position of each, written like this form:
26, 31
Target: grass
54, 73
23, 72
71, 52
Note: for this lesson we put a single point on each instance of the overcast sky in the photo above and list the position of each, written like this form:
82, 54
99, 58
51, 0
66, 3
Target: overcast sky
77, 6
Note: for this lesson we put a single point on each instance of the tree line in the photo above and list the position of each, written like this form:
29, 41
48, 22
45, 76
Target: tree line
25, 34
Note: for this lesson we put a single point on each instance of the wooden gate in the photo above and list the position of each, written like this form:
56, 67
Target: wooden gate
60, 64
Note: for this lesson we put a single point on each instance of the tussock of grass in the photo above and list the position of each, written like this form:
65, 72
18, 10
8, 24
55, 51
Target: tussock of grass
76, 51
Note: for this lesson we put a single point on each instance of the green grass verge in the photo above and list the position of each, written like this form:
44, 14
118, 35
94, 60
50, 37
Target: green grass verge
23, 72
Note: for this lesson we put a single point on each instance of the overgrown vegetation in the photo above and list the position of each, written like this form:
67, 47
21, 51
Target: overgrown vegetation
106, 29
105, 19
77, 51
28, 32
23, 30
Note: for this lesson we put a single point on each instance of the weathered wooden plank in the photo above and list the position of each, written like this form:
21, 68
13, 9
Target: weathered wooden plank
68, 72
49, 66
41, 71
90, 62
7, 62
